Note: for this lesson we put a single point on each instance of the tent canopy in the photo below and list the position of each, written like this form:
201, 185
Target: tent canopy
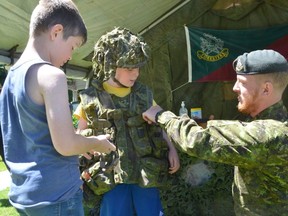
161, 24
99, 15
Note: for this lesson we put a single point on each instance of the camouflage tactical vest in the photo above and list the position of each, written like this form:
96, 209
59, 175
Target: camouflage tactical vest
141, 155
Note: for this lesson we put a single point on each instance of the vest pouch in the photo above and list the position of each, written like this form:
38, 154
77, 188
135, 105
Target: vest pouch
154, 172
100, 176
89, 197
141, 140
158, 143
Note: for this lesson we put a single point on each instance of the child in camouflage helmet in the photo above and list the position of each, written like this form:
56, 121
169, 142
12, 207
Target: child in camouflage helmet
117, 97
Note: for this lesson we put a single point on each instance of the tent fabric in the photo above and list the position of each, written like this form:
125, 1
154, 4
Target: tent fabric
169, 53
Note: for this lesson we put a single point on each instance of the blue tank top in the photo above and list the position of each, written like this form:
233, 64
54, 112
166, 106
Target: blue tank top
40, 175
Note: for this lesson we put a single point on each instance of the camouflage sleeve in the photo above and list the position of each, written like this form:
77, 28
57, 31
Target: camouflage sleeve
231, 142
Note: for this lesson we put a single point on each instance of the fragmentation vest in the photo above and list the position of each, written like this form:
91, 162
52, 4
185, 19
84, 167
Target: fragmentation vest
141, 156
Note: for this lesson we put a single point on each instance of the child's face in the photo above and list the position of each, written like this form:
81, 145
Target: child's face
64, 48
127, 76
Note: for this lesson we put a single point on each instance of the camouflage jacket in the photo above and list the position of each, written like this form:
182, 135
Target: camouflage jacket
141, 147
257, 149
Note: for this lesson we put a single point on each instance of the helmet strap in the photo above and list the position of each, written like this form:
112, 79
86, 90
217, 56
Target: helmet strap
118, 82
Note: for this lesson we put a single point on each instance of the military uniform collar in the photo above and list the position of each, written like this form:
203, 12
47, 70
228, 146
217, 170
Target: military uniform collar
277, 112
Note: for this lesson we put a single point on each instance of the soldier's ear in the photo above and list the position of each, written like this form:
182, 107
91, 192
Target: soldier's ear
268, 88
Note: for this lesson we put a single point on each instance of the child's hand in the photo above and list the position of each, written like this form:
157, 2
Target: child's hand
173, 160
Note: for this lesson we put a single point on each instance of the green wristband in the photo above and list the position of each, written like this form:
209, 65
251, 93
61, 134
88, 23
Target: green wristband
157, 115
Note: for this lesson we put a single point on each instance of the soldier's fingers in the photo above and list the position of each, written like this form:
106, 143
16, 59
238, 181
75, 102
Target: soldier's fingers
112, 147
96, 153
87, 156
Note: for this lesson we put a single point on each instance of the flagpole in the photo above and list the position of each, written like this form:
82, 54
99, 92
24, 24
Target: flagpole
188, 58
188, 53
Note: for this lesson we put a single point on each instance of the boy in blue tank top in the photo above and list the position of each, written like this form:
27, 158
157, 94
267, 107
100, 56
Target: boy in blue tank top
40, 145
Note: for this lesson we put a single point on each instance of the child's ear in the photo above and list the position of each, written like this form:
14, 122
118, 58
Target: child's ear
55, 31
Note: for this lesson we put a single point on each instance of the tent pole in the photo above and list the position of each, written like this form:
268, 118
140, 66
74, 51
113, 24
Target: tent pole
163, 17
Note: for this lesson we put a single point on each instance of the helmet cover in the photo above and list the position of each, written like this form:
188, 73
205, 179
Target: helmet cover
119, 48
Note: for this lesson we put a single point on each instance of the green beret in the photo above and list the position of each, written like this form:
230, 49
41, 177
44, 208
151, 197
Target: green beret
260, 62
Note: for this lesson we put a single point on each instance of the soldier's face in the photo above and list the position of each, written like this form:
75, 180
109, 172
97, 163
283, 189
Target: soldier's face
248, 88
127, 76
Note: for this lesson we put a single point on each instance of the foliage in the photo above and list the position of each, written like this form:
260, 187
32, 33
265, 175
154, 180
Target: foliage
212, 198
5, 207
2, 165
75, 121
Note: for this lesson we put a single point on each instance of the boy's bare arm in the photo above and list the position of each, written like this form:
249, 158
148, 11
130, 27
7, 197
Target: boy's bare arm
53, 88
173, 155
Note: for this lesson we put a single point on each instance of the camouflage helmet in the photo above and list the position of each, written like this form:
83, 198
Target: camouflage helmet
118, 48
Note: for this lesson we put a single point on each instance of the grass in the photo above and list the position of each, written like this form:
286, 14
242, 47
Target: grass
2, 165
6, 209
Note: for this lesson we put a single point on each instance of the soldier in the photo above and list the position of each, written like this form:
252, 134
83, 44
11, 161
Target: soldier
114, 103
258, 147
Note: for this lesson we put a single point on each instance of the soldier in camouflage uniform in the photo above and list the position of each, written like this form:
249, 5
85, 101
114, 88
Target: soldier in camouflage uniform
258, 147
128, 179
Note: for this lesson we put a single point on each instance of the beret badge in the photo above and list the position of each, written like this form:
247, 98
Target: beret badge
239, 66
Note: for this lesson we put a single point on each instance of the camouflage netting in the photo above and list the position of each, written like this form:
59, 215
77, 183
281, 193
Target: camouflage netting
199, 188
118, 48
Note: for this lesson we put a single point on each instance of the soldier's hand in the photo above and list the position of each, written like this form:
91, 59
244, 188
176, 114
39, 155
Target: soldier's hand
104, 145
89, 154
149, 115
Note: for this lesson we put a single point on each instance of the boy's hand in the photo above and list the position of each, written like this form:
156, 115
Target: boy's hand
173, 160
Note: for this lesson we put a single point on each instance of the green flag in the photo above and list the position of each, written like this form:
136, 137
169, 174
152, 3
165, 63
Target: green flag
211, 52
